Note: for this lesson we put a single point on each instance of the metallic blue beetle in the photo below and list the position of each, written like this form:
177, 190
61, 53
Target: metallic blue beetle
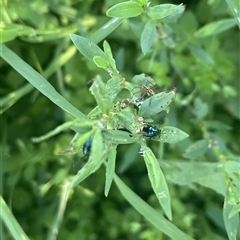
150, 131
87, 146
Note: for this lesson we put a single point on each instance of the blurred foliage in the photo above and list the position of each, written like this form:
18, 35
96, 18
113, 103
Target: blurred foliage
191, 54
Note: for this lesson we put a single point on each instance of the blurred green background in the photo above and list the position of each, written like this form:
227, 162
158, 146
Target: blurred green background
33, 175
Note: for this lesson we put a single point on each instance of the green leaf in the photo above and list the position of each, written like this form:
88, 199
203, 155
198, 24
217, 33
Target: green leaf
175, 16
88, 48
100, 93
231, 223
158, 181
235, 211
82, 127
156, 103
39, 82
215, 28
108, 52
100, 62
117, 137
7, 35
50, 34
54, 132
232, 167
209, 175
201, 54
96, 158
97, 150
143, 2
153, 216
125, 10
106, 30
213, 124
234, 193
131, 155
235, 8
165, 10
95, 112
125, 120
196, 150
215, 215
10, 31
147, 37
8, 100
200, 108
143, 79
110, 169
53, 231
113, 87
172, 135
10, 222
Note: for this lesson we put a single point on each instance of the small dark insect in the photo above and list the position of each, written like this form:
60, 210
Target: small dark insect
150, 131
145, 91
87, 146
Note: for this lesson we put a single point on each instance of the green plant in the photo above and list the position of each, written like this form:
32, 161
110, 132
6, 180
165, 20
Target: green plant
176, 55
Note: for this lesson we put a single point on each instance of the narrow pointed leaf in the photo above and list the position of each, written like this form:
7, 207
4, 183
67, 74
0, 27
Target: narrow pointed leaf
100, 62
117, 137
201, 54
164, 10
232, 167
231, 223
153, 216
158, 181
10, 31
10, 222
235, 210
125, 10
110, 169
108, 52
196, 150
88, 48
148, 36
172, 135
38, 81
200, 108
106, 30
215, 28
113, 87
100, 93
235, 9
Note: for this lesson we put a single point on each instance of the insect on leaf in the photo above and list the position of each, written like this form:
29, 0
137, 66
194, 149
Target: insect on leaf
157, 103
